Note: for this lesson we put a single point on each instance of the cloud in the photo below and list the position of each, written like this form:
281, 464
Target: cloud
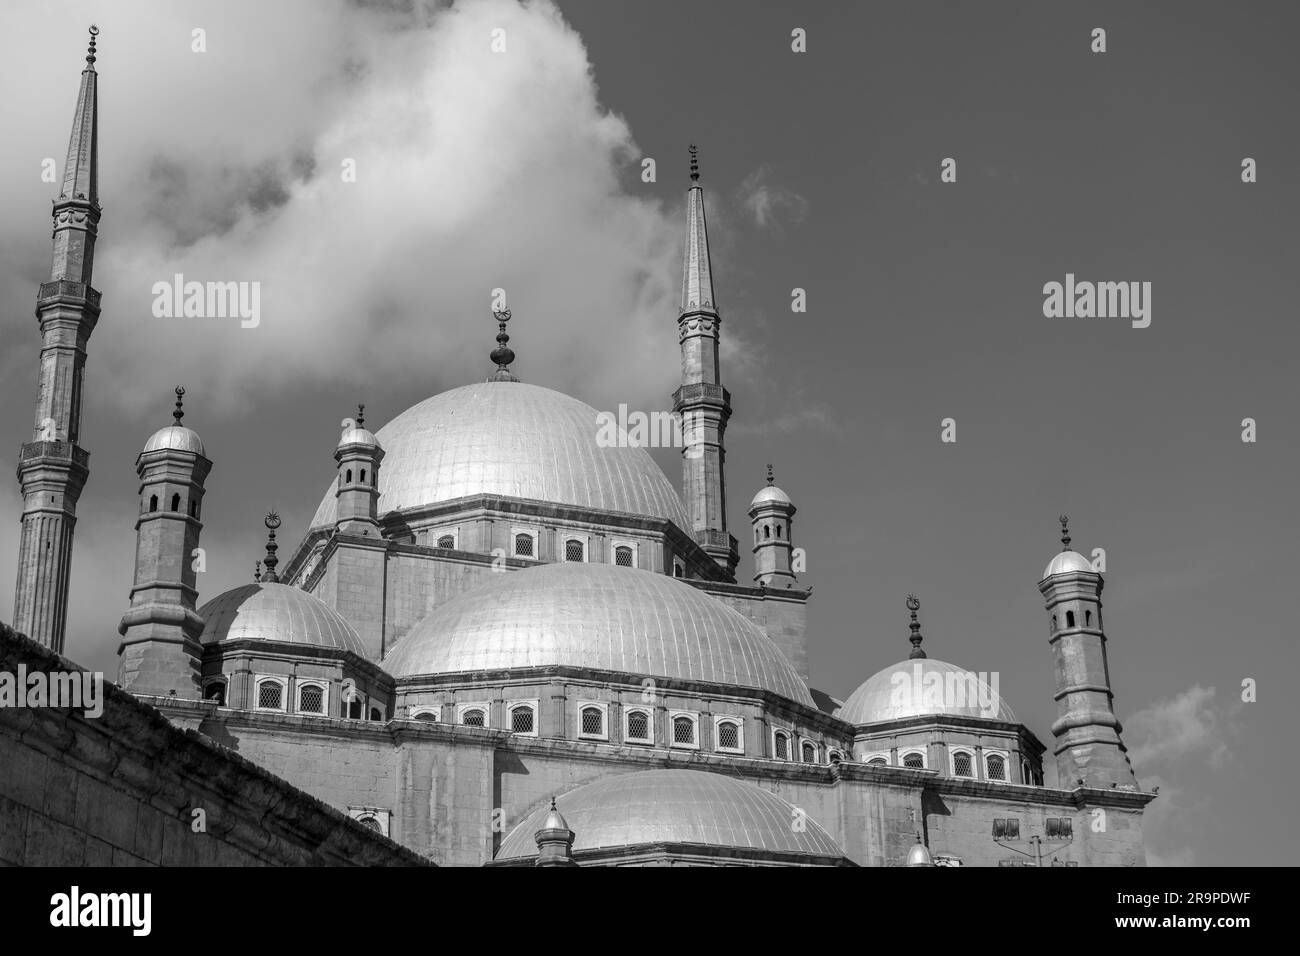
475, 171
770, 204
1185, 725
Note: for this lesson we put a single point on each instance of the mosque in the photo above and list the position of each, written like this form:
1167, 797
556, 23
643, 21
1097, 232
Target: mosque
504, 642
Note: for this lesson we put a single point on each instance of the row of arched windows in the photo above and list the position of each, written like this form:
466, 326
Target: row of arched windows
361, 477
961, 764
271, 693
176, 504
1069, 619
767, 532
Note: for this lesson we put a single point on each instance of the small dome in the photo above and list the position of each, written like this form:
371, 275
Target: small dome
770, 494
598, 616
676, 806
175, 438
1067, 561
357, 435
919, 855
938, 688
276, 612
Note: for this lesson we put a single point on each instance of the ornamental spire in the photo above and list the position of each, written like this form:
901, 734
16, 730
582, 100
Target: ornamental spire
81, 170
179, 411
770, 479
1065, 532
503, 355
914, 605
697, 273
270, 561
361, 416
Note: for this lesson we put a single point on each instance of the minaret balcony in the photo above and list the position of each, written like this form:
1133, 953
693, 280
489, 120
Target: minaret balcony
65, 291
56, 450
701, 393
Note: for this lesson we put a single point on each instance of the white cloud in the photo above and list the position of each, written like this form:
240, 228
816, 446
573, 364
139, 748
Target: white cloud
1185, 725
768, 203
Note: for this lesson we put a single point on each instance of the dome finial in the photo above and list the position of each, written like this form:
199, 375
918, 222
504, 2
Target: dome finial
503, 355
770, 479
257, 571
1065, 532
272, 522
914, 605
361, 415
179, 412
90, 51
695, 163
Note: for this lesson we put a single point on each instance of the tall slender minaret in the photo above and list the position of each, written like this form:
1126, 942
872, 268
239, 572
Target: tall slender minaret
52, 467
1089, 751
702, 402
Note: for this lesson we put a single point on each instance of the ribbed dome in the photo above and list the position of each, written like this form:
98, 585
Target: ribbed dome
675, 806
177, 438
276, 612
597, 616
1067, 561
510, 438
356, 435
896, 692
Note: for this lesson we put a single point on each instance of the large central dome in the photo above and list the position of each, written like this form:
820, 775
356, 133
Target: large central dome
596, 616
510, 438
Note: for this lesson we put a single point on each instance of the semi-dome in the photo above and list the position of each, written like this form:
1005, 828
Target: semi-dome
937, 689
511, 438
175, 438
691, 807
1066, 562
269, 611
598, 616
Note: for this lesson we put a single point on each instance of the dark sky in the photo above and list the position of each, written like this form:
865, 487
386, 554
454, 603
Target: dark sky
821, 171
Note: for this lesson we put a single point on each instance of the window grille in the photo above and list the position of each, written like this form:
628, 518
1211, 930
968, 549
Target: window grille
914, 762
268, 695
683, 730
447, 541
573, 550
782, 747
472, 718
521, 720
524, 545
996, 768
593, 721
638, 725
623, 556
961, 764
311, 699
728, 735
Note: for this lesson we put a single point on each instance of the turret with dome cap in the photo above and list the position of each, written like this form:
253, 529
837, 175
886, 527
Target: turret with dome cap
1087, 731
160, 632
358, 455
772, 515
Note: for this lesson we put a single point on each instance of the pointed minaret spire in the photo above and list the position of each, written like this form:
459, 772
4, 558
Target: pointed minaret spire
503, 355
179, 411
770, 478
1065, 532
914, 605
270, 561
52, 467
701, 401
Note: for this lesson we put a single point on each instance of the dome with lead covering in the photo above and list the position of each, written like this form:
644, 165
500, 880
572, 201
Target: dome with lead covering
276, 612
1066, 562
690, 807
175, 438
513, 439
597, 616
920, 687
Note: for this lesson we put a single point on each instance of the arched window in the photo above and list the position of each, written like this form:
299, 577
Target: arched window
574, 550
1069, 619
270, 695
623, 556
523, 719
370, 823
447, 541
311, 699
1087, 618
474, 717
592, 722
376, 714
354, 710
914, 761
524, 544
348, 480
363, 476
781, 746
1053, 623
678, 571
995, 767
728, 735
428, 715
778, 531
216, 691
683, 730
767, 531
153, 503
809, 752
638, 726
961, 764
194, 507
176, 502
878, 762
835, 756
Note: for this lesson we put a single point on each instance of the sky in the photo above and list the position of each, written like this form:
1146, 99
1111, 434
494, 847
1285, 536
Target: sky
523, 170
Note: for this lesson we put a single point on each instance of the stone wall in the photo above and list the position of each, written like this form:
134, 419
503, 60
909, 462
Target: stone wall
120, 790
